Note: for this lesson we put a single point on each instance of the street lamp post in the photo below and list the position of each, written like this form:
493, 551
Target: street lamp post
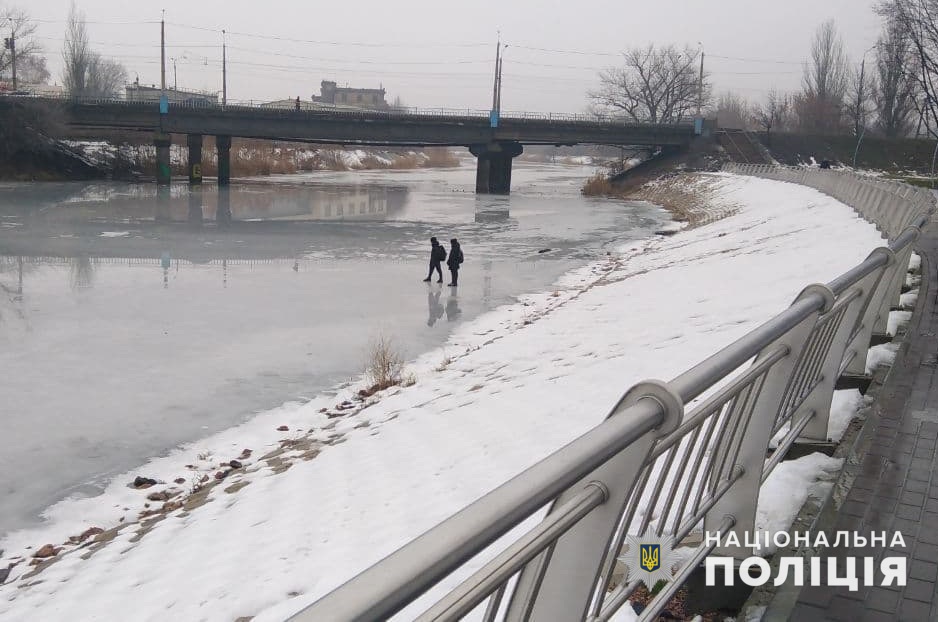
700, 80
933, 156
860, 127
224, 70
10, 44
498, 53
163, 53
501, 62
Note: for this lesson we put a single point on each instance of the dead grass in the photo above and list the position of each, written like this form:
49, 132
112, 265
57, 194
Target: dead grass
440, 157
685, 195
256, 158
384, 365
598, 185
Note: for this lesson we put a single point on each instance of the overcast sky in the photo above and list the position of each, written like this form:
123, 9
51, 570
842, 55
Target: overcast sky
441, 53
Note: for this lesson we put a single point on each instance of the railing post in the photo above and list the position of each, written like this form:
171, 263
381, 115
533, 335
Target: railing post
740, 501
817, 405
560, 584
873, 319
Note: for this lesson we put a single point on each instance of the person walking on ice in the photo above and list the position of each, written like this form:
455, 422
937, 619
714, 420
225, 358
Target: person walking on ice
437, 255
455, 259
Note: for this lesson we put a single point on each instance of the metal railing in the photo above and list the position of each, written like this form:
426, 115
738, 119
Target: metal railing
671, 458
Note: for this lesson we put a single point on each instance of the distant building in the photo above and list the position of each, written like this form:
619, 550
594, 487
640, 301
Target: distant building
137, 92
373, 99
44, 90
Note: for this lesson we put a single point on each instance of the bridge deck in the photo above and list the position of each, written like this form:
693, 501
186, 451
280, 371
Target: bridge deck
419, 128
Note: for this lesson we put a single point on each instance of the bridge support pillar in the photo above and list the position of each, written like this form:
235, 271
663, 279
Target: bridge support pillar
493, 166
223, 149
195, 159
164, 174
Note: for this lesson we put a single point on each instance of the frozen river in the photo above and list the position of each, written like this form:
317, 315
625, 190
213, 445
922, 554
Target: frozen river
130, 324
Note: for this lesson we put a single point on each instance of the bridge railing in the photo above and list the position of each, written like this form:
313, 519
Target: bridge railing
348, 112
671, 458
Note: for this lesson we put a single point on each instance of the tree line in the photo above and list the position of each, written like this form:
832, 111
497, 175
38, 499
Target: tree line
893, 95
85, 73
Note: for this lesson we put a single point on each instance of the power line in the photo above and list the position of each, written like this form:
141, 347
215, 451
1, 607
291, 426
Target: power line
756, 60
318, 42
754, 73
155, 46
362, 62
100, 23
556, 51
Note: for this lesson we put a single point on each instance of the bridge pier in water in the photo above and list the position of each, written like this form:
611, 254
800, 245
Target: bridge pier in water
493, 166
223, 150
194, 142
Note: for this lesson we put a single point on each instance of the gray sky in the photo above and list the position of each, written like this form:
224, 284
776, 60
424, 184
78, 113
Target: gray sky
441, 53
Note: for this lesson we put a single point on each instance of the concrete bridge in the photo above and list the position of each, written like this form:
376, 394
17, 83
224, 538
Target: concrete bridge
494, 147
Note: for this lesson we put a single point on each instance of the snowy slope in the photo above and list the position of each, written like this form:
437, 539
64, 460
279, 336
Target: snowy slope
508, 389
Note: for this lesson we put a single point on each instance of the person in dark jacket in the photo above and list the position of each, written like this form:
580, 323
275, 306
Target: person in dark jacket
455, 258
437, 255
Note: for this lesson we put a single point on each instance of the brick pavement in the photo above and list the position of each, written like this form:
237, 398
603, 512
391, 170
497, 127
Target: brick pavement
897, 485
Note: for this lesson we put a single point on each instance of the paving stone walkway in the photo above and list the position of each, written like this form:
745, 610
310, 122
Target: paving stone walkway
897, 485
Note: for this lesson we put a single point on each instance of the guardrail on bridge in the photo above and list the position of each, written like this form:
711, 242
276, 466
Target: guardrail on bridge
671, 458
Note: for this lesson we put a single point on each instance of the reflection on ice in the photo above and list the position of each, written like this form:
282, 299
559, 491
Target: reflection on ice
142, 203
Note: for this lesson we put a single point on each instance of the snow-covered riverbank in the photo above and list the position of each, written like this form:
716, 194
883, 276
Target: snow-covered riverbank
340, 487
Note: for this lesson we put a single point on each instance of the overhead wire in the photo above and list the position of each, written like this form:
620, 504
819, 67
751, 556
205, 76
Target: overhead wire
353, 66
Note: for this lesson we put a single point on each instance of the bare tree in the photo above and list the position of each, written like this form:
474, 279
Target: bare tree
86, 73
106, 77
773, 113
659, 85
918, 20
76, 53
860, 104
18, 25
733, 111
32, 69
895, 87
824, 84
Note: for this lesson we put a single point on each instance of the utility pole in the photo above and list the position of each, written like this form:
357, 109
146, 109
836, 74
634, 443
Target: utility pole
175, 81
224, 70
498, 103
700, 83
10, 44
859, 123
163, 53
498, 50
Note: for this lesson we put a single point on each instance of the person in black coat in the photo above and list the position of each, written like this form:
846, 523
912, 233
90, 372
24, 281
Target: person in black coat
455, 258
437, 255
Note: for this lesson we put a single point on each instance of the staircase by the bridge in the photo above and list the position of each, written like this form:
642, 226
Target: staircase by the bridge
742, 147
